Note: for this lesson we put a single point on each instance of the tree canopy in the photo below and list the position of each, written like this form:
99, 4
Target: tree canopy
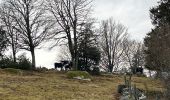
28, 18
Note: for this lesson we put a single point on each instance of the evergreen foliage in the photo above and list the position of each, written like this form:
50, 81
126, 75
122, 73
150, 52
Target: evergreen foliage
89, 53
157, 41
160, 14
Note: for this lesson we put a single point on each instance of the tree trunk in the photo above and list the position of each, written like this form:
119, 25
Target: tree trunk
77, 62
75, 43
110, 68
13, 52
33, 58
31, 45
14, 56
73, 60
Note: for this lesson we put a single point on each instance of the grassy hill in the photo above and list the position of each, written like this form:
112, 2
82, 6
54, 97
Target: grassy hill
56, 86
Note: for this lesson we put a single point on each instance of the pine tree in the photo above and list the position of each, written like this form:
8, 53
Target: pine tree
89, 53
160, 14
157, 41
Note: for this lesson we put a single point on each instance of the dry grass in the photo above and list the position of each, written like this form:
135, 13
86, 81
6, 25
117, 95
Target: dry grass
55, 86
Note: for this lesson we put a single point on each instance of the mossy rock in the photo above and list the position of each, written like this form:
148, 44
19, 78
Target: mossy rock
82, 74
13, 71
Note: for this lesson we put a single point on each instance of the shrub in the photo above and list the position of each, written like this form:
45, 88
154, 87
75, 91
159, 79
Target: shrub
95, 71
22, 63
7, 63
82, 74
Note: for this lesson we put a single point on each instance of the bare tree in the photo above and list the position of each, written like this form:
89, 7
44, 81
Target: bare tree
30, 22
11, 34
111, 42
70, 16
133, 55
139, 56
130, 49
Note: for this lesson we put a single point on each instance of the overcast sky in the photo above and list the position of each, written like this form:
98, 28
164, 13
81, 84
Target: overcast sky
134, 14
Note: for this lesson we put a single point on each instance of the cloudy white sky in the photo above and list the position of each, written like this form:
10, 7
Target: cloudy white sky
134, 14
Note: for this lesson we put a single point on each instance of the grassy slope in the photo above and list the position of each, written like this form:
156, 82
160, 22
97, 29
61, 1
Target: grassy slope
55, 86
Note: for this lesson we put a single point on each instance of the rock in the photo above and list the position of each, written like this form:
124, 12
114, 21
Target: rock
78, 77
126, 94
143, 97
124, 98
82, 78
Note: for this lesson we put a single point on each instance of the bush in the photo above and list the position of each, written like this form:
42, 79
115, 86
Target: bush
22, 63
95, 71
7, 63
82, 74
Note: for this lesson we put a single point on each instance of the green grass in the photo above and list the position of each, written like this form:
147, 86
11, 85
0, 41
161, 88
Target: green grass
56, 86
